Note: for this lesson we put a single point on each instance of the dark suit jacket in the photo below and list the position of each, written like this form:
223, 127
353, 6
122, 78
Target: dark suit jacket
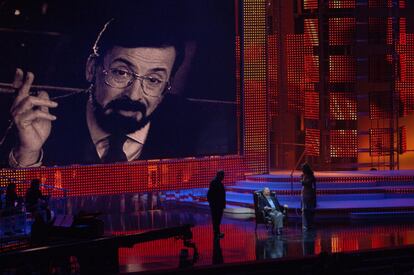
264, 202
216, 195
176, 131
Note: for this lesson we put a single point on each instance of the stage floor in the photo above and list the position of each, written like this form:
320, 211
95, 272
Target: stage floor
241, 243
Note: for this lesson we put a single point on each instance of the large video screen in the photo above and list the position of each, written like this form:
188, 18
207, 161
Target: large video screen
90, 82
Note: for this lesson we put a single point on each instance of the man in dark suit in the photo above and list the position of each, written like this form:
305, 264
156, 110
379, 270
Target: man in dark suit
216, 197
272, 208
130, 70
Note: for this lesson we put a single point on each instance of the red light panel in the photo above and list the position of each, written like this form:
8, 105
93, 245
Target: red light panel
295, 72
342, 69
389, 31
380, 141
342, 4
409, 51
343, 143
406, 99
342, 106
402, 135
311, 63
311, 30
312, 142
380, 106
272, 74
310, 4
341, 31
405, 83
312, 105
403, 31
140, 176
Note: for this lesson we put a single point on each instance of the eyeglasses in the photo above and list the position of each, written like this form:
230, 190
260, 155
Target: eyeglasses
151, 86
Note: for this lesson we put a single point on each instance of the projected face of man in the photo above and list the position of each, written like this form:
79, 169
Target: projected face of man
126, 110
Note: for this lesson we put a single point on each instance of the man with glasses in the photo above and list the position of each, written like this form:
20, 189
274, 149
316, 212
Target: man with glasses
126, 114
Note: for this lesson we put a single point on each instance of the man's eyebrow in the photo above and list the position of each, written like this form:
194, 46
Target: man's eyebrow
126, 61
130, 64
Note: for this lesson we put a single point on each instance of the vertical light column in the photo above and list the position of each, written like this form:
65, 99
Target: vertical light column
255, 98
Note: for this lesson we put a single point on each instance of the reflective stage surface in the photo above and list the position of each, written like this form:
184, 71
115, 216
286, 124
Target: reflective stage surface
241, 243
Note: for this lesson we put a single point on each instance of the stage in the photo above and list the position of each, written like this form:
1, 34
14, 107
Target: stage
358, 212
242, 244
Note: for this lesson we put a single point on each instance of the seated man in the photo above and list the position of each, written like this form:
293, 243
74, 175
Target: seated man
271, 208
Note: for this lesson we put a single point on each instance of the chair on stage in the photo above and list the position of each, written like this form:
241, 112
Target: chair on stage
260, 215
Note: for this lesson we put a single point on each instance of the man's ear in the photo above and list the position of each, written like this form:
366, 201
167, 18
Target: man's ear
91, 68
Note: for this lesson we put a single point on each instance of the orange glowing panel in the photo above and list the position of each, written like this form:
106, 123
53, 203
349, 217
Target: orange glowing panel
380, 141
402, 135
343, 143
342, 106
256, 145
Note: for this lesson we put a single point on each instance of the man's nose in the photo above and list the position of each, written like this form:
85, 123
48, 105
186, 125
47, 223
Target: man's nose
135, 90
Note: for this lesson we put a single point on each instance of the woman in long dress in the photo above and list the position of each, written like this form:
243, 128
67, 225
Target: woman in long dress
308, 181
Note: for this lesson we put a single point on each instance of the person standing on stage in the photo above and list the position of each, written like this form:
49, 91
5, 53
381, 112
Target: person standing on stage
33, 196
11, 196
308, 181
216, 197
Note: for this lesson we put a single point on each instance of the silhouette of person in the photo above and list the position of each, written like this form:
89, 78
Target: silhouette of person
216, 197
11, 196
308, 181
33, 195
11, 210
